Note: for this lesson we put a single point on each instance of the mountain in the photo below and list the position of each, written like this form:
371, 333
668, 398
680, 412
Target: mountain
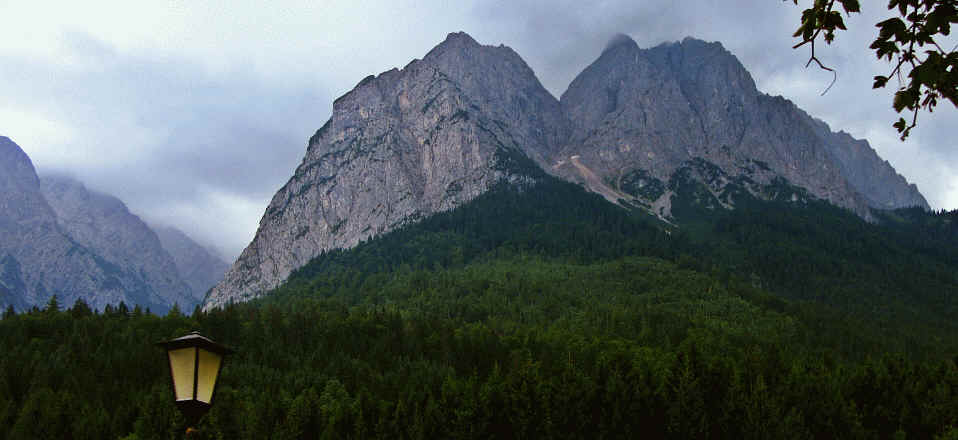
398, 148
659, 130
103, 224
639, 116
199, 267
59, 238
39, 258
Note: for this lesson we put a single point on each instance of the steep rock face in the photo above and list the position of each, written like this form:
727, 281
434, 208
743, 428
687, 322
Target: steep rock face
103, 224
643, 128
23, 214
652, 111
399, 147
39, 258
199, 267
868, 173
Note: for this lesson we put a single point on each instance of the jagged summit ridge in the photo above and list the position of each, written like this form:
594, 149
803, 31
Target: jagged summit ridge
411, 142
651, 111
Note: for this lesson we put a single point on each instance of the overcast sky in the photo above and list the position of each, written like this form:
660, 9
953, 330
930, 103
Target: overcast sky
195, 113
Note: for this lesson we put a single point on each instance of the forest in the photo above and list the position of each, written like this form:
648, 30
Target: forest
541, 311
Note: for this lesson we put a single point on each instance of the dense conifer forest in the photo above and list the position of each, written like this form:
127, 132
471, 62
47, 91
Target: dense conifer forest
542, 312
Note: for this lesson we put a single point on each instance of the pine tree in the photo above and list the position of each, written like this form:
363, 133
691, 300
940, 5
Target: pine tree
80, 309
53, 305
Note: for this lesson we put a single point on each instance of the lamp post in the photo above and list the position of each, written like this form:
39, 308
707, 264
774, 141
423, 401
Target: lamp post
195, 363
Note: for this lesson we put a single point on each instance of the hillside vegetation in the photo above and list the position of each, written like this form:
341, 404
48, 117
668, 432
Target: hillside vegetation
542, 312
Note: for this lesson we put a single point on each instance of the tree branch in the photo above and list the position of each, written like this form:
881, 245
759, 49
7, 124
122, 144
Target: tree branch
822, 66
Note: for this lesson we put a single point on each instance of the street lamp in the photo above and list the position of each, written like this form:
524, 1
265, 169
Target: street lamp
195, 363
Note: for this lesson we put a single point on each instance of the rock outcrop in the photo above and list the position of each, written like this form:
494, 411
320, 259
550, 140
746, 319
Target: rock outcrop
635, 126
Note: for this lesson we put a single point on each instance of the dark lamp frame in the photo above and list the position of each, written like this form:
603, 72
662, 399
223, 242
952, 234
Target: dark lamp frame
194, 409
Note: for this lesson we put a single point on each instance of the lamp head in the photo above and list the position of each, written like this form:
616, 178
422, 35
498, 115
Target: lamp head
195, 362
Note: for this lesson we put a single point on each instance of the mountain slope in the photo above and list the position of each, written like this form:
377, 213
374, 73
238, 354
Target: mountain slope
24, 215
198, 266
893, 292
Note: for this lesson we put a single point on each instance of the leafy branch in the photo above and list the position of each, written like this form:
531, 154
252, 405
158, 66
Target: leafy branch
925, 71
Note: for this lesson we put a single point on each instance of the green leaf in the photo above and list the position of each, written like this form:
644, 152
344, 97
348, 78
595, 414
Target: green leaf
887, 28
851, 6
901, 100
880, 82
900, 125
835, 19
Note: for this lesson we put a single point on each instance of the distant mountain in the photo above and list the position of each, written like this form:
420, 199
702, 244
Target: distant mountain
59, 238
40, 258
198, 266
103, 224
658, 130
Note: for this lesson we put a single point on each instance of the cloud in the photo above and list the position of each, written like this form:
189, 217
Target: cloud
162, 133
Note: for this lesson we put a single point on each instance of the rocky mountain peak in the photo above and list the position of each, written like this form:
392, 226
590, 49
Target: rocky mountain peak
634, 126
401, 146
11, 152
620, 42
649, 112
20, 198
498, 80
15, 166
704, 67
456, 40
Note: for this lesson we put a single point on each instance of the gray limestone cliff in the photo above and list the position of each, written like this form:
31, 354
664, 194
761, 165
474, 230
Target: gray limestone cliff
399, 147
636, 126
199, 267
40, 257
869, 174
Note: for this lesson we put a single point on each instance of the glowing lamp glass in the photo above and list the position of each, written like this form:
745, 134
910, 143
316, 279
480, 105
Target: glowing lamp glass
195, 363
